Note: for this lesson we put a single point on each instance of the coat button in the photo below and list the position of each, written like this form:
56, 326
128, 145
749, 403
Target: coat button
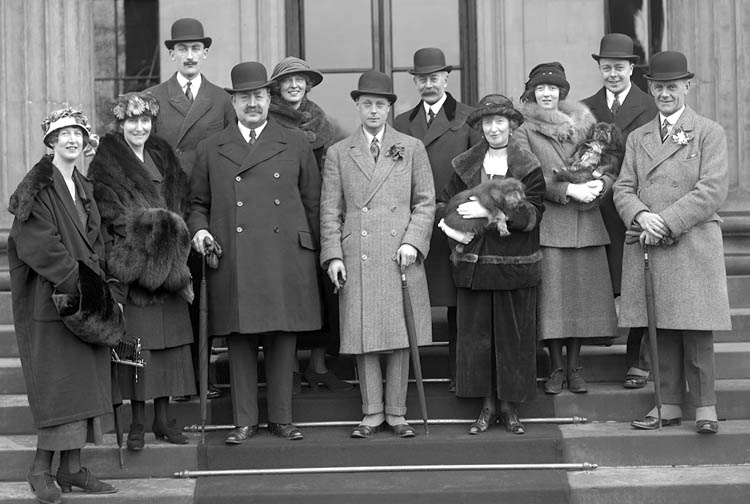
237, 178
364, 209
277, 202
674, 183
648, 184
364, 257
276, 229
178, 151
239, 203
393, 232
364, 233
239, 229
276, 175
393, 257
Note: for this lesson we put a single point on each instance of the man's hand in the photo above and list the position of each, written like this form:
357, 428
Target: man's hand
653, 224
406, 255
337, 273
455, 234
198, 238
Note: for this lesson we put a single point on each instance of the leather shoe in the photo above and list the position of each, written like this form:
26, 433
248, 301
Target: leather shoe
363, 431
576, 383
44, 488
240, 434
170, 433
84, 480
635, 381
555, 382
403, 430
512, 423
181, 398
707, 426
452, 386
213, 393
483, 422
136, 435
652, 423
285, 431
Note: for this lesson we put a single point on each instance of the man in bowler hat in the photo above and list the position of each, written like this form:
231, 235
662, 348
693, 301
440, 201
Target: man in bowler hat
191, 108
440, 122
627, 107
673, 181
256, 190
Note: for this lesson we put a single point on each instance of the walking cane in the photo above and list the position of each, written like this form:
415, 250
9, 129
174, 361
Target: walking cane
118, 431
203, 343
651, 317
411, 331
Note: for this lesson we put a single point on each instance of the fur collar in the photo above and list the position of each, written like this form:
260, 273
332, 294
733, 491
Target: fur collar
122, 183
469, 164
449, 107
570, 122
310, 118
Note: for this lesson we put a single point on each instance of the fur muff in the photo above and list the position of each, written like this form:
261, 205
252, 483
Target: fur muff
22, 199
499, 196
92, 314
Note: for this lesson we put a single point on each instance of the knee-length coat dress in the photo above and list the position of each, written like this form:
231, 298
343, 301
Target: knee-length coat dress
368, 210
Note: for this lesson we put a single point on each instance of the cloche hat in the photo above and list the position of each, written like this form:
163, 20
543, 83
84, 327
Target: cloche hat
494, 104
291, 65
63, 118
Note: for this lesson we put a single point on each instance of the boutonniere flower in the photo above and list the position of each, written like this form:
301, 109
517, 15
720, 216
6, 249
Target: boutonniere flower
396, 152
680, 137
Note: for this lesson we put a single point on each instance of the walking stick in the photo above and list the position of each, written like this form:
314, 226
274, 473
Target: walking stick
118, 431
651, 317
411, 332
203, 345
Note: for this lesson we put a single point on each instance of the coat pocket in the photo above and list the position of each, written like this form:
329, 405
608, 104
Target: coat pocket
307, 241
44, 307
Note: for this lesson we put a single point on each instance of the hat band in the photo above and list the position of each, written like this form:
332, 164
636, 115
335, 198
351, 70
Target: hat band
666, 76
250, 85
64, 122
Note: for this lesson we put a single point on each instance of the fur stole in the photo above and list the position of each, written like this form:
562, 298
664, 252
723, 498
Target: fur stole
468, 164
569, 123
38, 178
319, 130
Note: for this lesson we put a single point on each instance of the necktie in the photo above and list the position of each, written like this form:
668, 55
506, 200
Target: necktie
375, 148
664, 131
615, 105
189, 92
431, 118
252, 138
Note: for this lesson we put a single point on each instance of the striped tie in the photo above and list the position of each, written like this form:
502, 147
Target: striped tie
189, 92
375, 149
664, 131
431, 118
615, 105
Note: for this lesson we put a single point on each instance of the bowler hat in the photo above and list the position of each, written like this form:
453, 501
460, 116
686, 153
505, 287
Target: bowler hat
429, 60
495, 104
616, 46
668, 65
187, 30
291, 65
248, 76
375, 83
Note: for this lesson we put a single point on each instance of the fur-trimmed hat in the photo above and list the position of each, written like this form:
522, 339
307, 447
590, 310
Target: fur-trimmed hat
92, 314
130, 105
551, 73
291, 65
494, 104
63, 118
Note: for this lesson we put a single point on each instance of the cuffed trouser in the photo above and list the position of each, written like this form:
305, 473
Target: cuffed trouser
279, 354
396, 382
686, 356
636, 350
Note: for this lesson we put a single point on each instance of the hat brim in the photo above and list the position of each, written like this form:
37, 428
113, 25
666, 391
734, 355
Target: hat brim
64, 124
248, 86
508, 112
357, 93
633, 58
431, 69
205, 40
669, 76
314, 76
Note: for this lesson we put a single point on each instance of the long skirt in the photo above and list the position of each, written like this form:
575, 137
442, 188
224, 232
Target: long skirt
575, 296
496, 346
168, 372
72, 435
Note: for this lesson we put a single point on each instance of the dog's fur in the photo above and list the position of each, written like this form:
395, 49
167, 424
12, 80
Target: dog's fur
498, 196
599, 154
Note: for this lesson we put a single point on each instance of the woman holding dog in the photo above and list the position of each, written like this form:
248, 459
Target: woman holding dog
55, 239
142, 194
575, 297
496, 276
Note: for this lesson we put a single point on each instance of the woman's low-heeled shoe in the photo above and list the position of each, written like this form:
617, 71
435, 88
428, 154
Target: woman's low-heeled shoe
483, 422
136, 437
652, 423
84, 480
44, 488
512, 423
363, 431
169, 433
707, 426
555, 382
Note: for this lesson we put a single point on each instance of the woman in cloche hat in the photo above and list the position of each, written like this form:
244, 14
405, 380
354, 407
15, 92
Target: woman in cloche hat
496, 276
56, 240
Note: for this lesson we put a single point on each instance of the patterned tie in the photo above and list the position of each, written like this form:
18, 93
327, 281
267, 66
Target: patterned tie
615, 105
431, 118
664, 131
252, 138
189, 92
375, 149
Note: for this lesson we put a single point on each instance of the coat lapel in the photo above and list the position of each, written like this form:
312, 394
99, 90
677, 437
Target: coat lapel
670, 147
94, 221
631, 108
200, 106
270, 142
177, 98
63, 194
232, 146
360, 153
439, 125
383, 167
418, 123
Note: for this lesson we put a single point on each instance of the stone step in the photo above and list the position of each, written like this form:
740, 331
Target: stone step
8, 342
130, 491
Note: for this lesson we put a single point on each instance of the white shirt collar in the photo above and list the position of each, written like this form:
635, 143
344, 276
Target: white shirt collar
435, 106
620, 96
194, 86
370, 136
671, 119
246, 131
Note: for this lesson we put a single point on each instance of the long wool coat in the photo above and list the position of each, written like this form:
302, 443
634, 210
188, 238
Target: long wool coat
368, 210
122, 186
447, 137
66, 379
685, 185
182, 124
261, 204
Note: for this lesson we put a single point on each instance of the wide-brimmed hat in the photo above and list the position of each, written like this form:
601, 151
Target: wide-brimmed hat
429, 60
494, 104
248, 76
668, 65
291, 65
63, 118
548, 73
375, 83
135, 104
187, 30
616, 46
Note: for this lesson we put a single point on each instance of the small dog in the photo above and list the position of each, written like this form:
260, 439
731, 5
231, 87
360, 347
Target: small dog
601, 153
499, 196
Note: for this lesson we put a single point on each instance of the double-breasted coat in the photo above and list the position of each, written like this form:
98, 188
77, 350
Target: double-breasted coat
447, 137
368, 210
261, 204
685, 184
182, 124
637, 109
66, 379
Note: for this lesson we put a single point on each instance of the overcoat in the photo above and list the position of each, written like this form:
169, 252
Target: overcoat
368, 210
637, 109
122, 186
447, 137
66, 379
685, 184
182, 124
261, 204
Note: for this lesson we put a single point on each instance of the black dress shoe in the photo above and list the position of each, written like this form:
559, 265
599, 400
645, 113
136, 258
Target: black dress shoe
452, 386
652, 423
403, 430
213, 393
136, 435
181, 398
707, 426
635, 381
285, 431
363, 431
240, 434
170, 433
483, 422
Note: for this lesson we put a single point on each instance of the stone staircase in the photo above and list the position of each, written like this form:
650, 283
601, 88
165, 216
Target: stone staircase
674, 465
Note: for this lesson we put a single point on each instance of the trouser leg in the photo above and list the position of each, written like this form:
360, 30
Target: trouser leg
452, 337
370, 383
396, 382
699, 366
637, 349
243, 372
279, 356
670, 349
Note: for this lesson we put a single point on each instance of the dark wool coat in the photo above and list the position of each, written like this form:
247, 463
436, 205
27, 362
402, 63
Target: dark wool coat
686, 185
448, 136
66, 379
637, 109
261, 203
492, 262
184, 125
122, 187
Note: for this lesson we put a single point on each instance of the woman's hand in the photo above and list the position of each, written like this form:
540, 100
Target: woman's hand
455, 234
406, 255
473, 210
586, 192
337, 273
